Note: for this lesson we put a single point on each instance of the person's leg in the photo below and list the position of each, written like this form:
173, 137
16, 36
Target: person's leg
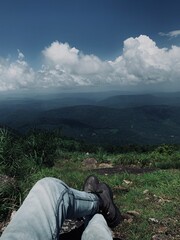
46, 207
97, 229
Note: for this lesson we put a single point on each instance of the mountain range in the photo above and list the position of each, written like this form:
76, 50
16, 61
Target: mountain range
100, 118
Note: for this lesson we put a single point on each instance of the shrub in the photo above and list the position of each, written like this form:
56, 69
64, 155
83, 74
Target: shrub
10, 153
40, 146
13, 160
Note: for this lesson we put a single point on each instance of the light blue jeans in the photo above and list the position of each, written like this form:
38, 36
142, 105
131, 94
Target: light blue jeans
46, 207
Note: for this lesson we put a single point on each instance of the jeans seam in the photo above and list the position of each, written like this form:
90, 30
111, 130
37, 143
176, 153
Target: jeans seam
56, 232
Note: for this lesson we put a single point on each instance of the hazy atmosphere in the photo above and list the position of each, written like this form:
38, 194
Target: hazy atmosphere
90, 45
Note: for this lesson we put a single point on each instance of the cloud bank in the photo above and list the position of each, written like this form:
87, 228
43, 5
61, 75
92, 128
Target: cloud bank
141, 62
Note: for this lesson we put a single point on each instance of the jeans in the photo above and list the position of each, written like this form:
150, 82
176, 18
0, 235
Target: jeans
46, 207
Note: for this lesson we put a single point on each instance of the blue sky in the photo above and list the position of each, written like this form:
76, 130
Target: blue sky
89, 43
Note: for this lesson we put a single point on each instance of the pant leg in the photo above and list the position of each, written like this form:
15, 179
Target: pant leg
97, 229
46, 207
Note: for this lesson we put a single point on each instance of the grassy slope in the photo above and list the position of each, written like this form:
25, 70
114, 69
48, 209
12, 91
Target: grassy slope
154, 196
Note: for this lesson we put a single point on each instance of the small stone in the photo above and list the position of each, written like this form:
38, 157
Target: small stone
127, 182
153, 220
89, 163
145, 191
134, 213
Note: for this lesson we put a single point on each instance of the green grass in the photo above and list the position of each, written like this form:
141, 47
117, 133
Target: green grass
153, 195
160, 201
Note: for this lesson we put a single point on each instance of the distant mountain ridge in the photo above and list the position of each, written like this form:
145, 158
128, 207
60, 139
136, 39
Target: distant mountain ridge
118, 119
123, 101
147, 124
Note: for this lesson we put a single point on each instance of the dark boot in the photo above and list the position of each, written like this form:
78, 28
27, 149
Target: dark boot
91, 184
107, 207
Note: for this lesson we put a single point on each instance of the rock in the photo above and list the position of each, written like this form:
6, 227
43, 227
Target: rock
105, 165
145, 191
134, 213
153, 220
127, 182
89, 163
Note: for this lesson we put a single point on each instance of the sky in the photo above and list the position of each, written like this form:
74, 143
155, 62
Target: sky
89, 44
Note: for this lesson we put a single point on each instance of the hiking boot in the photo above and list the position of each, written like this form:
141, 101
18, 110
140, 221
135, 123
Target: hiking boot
91, 184
107, 207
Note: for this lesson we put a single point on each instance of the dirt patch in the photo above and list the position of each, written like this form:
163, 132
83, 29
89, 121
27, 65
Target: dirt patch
124, 169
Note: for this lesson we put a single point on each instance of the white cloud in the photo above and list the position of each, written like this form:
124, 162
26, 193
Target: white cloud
145, 61
171, 34
141, 63
68, 66
17, 74
72, 60
61, 53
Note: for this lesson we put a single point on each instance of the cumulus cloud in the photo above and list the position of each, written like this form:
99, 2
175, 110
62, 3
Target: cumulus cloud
171, 34
72, 60
142, 63
61, 53
68, 66
145, 61
17, 74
